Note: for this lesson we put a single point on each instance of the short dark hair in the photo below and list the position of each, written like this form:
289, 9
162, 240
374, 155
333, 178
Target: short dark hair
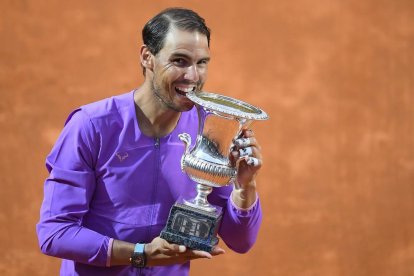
156, 29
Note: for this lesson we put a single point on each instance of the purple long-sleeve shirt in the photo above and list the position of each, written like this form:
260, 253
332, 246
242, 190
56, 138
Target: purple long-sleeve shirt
109, 181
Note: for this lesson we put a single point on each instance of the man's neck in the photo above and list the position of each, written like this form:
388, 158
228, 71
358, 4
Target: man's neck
154, 119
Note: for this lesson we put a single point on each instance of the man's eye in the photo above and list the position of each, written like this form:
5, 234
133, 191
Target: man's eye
203, 62
179, 61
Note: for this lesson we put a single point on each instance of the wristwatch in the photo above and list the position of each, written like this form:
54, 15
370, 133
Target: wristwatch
138, 258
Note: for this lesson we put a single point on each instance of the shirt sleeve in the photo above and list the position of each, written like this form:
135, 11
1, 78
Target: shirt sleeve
239, 227
67, 193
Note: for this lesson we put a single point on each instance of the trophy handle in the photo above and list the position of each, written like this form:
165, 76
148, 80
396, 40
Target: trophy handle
186, 138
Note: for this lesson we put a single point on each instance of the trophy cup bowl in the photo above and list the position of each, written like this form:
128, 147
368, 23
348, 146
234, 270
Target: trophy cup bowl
194, 222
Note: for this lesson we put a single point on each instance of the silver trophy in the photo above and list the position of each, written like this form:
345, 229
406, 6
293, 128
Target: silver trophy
194, 222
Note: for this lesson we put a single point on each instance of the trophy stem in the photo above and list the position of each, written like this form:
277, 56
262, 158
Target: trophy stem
200, 201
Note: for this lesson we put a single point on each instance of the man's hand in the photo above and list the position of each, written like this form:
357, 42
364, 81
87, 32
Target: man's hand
159, 252
247, 155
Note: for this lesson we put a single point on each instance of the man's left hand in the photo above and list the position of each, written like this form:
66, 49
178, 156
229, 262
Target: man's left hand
247, 154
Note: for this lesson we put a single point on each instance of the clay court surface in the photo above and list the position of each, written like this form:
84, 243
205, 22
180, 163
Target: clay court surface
336, 77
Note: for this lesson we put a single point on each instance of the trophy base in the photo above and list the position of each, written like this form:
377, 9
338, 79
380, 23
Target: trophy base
192, 227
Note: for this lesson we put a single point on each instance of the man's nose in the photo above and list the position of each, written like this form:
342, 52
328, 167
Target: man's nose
192, 73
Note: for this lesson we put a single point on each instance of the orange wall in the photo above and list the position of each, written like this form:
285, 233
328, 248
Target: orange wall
335, 76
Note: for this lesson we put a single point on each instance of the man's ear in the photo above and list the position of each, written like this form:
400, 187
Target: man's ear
147, 58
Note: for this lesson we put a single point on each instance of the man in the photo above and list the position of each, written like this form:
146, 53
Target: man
114, 171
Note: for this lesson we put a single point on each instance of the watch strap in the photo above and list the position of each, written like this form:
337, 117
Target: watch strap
138, 258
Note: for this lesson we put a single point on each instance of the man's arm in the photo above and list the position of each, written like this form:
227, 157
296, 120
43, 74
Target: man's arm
67, 193
243, 216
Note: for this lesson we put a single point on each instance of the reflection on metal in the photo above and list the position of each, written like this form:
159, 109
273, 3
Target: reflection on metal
187, 225
221, 120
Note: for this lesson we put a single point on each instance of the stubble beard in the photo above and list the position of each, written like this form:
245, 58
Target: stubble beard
166, 103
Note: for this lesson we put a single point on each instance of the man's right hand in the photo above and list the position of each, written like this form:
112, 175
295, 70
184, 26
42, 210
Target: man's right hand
160, 252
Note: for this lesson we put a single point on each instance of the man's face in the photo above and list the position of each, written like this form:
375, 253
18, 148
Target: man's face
180, 67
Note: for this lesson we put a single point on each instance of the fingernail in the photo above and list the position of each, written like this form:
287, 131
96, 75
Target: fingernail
181, 248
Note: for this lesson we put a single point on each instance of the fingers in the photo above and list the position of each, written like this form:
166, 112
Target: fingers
251, 161
194, 254
181, 251
160, 252
243, 142
217, 251
172, 249
251, 155
246, 139
247, 148
247, 133
246, 151
190, 254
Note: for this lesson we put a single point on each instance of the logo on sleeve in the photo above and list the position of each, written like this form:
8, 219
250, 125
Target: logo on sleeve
121, 155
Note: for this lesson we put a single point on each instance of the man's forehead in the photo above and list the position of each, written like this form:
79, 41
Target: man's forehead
177, 38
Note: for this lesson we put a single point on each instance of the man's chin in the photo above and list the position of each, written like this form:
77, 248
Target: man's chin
186, 107
183, 107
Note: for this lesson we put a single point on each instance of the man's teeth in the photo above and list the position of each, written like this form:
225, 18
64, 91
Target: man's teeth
185, 89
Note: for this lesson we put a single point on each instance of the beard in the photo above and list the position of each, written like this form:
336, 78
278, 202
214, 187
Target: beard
167, 102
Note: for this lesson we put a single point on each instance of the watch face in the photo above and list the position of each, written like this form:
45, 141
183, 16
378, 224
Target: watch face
137, 260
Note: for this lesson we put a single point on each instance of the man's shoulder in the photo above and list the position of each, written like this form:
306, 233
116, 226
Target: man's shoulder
111, 106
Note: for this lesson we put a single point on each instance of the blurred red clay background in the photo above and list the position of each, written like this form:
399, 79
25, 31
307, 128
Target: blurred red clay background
336, 78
